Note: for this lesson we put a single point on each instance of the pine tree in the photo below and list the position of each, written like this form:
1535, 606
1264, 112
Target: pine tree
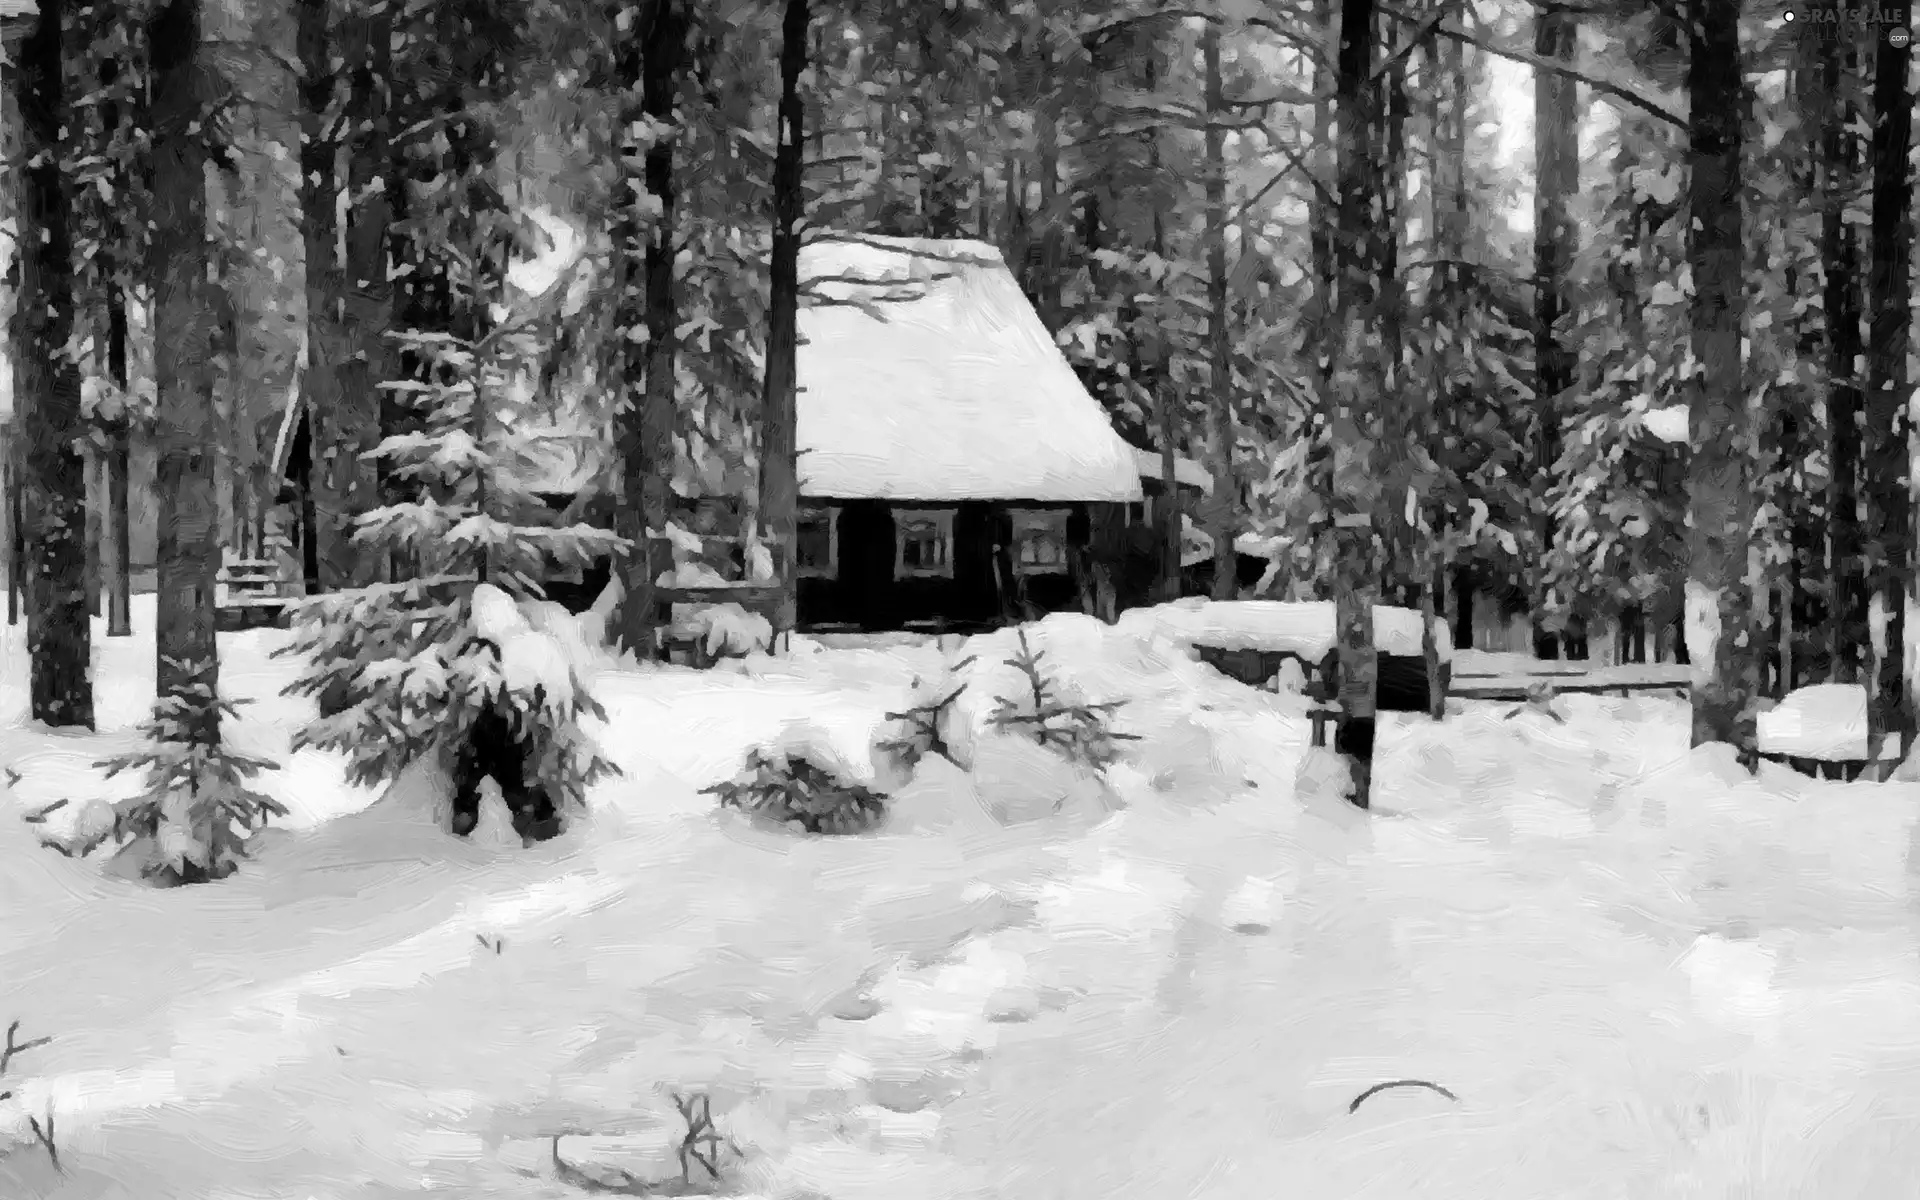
779, 483
1720, 496
47, 380
444, 664
1557, 170
196, 798
1840, 252
1354, 381
651, 57
1888, 462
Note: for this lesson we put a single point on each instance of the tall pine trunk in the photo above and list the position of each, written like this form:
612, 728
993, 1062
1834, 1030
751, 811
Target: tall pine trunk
1890, 455
1726, 671
321, 266
1451, 228
1168, 509
1557, 168
1356, 382
779, 483
1840, 253
653, 57
366, 306
52, 512
1219, 353
185, 429
119, 471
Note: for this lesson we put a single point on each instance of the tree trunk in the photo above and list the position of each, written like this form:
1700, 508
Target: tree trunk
119, 471
1840, 251
654, 53
1220, 433
185, 432
1720, 485
342, 484
1460, 599
1356, 382
1320, 237
366, 307
939, 201
1890, 454
1556, 155
1046, 280
16, 536
779, 483
53, 499
1168, 508
1449, 87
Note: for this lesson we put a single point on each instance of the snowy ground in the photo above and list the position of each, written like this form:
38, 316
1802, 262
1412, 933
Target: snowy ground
1641, 974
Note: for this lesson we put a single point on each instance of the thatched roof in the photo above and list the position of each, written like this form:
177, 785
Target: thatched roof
926, 375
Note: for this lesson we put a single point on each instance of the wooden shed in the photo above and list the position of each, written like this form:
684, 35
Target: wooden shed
953, 470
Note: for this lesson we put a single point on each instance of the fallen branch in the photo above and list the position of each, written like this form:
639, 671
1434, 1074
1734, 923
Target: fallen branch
43, 1133
1540, 698
39, 815
573, 1176
42, 1127
1363, 1097
697, 1111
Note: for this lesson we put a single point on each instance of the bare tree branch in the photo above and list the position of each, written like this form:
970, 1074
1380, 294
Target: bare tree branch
1604, 87
1420, 35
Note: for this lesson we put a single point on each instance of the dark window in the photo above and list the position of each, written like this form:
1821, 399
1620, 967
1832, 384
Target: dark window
924, 539
1039, 541
816, 547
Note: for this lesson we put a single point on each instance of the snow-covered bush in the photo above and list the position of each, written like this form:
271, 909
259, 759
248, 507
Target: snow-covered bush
191, 817
792, 790
802, 779
448, 663
729, 631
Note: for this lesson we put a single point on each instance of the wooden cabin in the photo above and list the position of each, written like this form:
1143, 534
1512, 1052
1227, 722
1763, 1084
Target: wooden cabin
953, 470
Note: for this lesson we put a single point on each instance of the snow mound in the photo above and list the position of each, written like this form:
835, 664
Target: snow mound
1019, 780
1082, 661
1825, 721
838, 750
1305, 627
539, 650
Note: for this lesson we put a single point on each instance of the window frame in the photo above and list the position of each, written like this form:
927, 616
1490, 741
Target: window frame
832, 570
1055, 522
942, 521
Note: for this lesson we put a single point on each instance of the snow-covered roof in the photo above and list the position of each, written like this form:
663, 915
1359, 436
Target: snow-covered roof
1186, 472
926, 375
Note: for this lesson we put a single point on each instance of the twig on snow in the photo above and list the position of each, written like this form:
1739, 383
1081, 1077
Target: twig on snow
42, 1127
573, 1176
1399, 1083
697, 1110
43, 1133
13, 1048
39, 815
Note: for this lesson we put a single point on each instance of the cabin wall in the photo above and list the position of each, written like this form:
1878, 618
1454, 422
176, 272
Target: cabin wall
864, 593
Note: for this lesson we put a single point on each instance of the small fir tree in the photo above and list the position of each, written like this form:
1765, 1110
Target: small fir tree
197, 803
445, 663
